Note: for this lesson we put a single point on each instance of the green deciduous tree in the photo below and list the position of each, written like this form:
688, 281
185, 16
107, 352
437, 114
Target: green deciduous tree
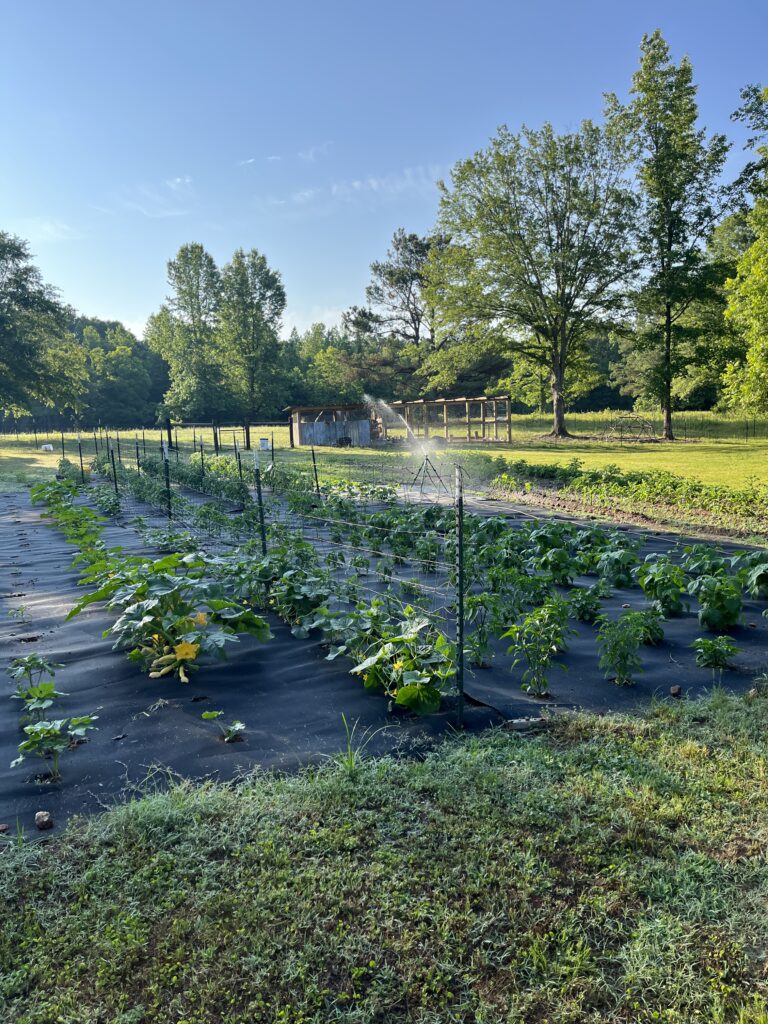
746, 383
39, 360
251, 307
682, 198
541, 247
183, 332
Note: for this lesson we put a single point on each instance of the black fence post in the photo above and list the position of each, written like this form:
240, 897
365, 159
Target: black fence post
314, 469
215, 439
119, 452
95, 443
459, 598
63, 455
138, 460
82, 468
260, 502
114, 469
143, 441
202, 460
239, 462
167, 472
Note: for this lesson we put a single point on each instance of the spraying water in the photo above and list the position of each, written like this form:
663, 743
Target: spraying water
427, 474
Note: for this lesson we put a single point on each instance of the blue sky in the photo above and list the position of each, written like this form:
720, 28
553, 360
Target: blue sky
309, 130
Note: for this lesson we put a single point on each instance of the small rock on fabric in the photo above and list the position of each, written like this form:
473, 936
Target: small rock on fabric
676, 691
43, 820
4, 828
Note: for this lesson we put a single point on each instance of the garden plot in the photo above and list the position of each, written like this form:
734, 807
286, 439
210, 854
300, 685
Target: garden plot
290, 698
360, 591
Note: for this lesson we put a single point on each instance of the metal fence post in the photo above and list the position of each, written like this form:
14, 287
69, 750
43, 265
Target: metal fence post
138, 460
82, 468
314, 469
114, 469
260, 501
62, 445
459, 598
167, 472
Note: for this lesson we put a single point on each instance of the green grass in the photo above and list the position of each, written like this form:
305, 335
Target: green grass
611, 870
722, 456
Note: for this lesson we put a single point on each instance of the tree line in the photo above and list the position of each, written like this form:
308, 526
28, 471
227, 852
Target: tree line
609, 265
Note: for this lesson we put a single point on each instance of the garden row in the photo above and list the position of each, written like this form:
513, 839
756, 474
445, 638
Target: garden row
744, 509
514, 577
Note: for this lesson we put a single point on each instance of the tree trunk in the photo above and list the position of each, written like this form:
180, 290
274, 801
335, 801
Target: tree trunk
558, 405
666, 403
247, 435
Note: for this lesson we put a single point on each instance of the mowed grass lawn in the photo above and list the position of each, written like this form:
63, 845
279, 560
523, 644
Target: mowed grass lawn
611, 870
728, 462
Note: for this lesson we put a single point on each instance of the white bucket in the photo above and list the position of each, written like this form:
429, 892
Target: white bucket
264, 444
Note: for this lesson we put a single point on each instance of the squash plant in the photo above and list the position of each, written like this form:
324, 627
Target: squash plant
412, 663
38, 700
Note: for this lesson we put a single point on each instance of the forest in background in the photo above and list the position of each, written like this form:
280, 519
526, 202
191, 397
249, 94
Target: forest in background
612, 266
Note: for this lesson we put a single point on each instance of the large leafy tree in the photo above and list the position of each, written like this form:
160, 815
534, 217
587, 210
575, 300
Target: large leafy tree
39, 361
706, 340
747, 382
126, 381
183, 332
682, 198
250, 310
541, 247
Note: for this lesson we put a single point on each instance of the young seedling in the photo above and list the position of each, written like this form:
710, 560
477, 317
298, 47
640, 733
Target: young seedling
715, 654
20, 613
231, 733
29, 671
49, 739
38, 699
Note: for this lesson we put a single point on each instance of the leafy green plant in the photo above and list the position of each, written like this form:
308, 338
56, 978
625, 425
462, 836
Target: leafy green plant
231, 732
557, 563
38, 699
585, 602
30, 670
702, 560
412, 661
619, 641
106, 500
756, 580
720, 601
662, 581
50, 739
481, 611
616, 564
535, 642
714, 654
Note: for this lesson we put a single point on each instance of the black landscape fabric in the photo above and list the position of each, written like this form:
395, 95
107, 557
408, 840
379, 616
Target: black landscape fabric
290, 698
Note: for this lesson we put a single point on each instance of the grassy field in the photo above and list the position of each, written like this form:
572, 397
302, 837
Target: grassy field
612, 870
729, 462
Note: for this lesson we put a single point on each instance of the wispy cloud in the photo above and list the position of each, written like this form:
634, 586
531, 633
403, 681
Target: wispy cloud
372, 188
181, 184
313, 153
250, 160
411, 179
273, 159
41, 230
158, 203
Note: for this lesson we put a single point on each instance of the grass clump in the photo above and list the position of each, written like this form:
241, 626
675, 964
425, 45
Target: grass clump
612, 869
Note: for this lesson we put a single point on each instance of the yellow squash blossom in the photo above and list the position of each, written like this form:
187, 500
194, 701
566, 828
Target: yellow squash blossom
397, 666
186, 651
200, 619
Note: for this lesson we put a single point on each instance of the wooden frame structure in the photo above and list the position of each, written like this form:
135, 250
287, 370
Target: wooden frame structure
417, 413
